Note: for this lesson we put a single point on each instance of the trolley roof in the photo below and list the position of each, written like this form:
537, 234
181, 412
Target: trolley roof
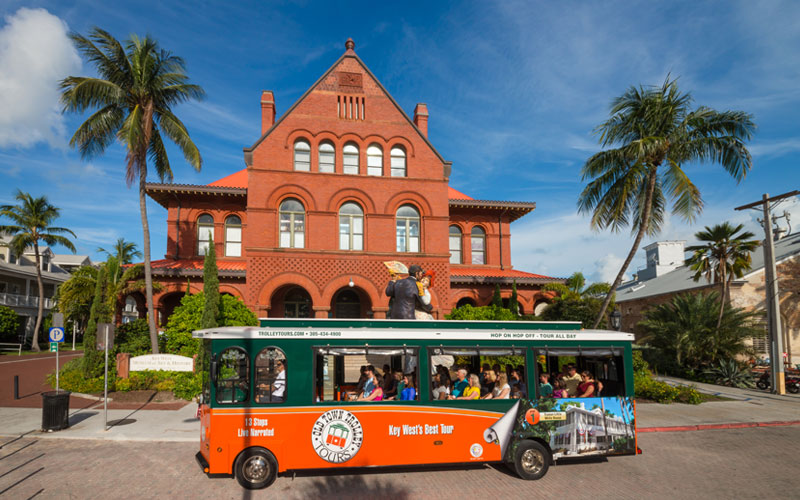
411, 330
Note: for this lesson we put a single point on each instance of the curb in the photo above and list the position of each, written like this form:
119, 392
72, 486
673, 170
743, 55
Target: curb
706, 427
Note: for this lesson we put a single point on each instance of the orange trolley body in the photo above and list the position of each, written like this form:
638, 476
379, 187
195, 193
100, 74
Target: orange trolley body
275, 398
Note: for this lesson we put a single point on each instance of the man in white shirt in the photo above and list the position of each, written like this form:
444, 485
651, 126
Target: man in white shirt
279, 386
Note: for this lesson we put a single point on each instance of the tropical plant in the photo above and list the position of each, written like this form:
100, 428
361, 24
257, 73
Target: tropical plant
497, 299
124, 251
31, 223
685, 330
9, 323
75, 295
724, 256
137, 86
731, 373
650, 136
575, 289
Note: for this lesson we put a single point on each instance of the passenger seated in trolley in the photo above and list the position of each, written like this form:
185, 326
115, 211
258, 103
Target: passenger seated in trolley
372, 388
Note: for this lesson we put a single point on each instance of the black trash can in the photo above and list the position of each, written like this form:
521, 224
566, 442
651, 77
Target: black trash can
55, 410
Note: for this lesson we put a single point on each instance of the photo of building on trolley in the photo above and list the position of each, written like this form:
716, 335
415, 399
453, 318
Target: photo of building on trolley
604, 428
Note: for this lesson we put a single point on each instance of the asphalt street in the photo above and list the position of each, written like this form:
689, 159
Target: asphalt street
730, 463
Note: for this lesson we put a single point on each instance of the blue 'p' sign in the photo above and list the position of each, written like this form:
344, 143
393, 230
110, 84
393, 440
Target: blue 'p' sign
56, 334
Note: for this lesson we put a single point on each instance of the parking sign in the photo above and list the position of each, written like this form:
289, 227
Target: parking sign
56, 334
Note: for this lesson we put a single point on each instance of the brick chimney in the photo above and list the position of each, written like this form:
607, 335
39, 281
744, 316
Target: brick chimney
267, 111
421, 118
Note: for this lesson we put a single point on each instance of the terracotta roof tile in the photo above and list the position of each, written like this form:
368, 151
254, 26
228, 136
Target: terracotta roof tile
479, 272
235, 180
197, 264
454, 194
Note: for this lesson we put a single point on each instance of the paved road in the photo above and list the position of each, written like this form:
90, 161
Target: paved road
32, 370
733, 463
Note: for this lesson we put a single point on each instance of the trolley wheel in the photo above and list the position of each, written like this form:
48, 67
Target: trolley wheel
531, 460
255, 468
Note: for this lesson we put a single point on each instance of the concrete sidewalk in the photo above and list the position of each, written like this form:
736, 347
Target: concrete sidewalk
749, 407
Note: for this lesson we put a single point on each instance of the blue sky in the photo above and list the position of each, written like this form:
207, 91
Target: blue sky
514, 90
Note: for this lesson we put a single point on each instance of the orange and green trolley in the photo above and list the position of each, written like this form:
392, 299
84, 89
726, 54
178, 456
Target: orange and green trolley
289, 395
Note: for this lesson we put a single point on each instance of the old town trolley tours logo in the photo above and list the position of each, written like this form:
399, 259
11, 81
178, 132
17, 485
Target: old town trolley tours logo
337, 436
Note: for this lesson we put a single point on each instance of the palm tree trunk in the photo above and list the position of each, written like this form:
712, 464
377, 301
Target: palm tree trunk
648, 209
148, 276
40, 308
723, 295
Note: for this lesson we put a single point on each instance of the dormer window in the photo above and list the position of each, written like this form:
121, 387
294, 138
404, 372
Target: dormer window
45, 262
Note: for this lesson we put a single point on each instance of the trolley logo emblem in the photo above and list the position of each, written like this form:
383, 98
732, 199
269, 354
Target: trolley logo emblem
337, 436
476, 450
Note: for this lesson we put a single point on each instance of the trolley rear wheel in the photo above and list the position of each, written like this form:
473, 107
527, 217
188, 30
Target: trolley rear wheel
255, 468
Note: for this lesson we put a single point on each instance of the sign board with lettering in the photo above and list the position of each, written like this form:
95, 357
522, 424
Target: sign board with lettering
165, 362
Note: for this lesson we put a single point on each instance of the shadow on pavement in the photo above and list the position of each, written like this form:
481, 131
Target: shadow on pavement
79, 416
354, 487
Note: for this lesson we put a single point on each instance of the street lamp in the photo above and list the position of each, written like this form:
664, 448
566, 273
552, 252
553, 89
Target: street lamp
616, 320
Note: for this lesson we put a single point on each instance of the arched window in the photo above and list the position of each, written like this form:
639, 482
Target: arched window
455, 245
327, 157
408, 232
292, 224
205, 233
271, 376
478, 244
374, 160
398, 162
233, 236
350, 159
302, 155
233, 376
297, 304
351, 227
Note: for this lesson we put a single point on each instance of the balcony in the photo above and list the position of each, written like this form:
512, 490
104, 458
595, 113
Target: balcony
14, 300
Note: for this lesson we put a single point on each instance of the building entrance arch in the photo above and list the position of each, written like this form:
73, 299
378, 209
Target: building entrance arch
291, 301
465, 301
167, 306
350, 302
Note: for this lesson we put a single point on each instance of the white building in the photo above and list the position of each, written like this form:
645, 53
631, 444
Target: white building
587, 432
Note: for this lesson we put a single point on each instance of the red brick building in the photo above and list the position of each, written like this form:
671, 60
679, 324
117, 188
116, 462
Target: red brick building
342, 182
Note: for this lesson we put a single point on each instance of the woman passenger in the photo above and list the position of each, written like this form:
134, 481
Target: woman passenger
410, 391
559, 391
587, 388
501, 388
473, 391
372, 390
442, 386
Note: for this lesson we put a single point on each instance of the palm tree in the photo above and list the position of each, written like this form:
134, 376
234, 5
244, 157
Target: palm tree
137, 87
651, 135
725, 255
75, 295
574, 289
124, 251
31, 223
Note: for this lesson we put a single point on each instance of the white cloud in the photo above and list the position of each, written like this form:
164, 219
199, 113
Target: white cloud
35, 54
606, 268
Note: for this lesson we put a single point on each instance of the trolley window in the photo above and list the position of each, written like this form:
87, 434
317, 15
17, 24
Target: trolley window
363, 373
495, 372
232, 377
271, 378
568, 368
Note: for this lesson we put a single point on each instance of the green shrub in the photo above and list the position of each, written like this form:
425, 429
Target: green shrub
133, 338
660, 392
71, 378
484, 313
9, 323
640, 366
689, 395
187, 385
188, 317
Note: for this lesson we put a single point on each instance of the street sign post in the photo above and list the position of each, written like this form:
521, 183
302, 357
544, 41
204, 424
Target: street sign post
108, 341
56, 336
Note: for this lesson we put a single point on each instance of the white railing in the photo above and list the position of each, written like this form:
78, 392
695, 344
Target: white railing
12, 299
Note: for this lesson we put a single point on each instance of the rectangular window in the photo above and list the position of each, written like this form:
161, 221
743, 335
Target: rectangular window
374, 165
233, 241
231, 372
340, 373
302, 160
478, 251
455, 249
327, 161
350, 163
605, 364
477, 373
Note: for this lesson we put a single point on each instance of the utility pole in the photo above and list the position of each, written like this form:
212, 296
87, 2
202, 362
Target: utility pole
772, 296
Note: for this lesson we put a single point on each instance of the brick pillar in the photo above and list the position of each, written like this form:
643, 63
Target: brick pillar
380, 312
267, 111
321, 311
123, 364
421, 118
